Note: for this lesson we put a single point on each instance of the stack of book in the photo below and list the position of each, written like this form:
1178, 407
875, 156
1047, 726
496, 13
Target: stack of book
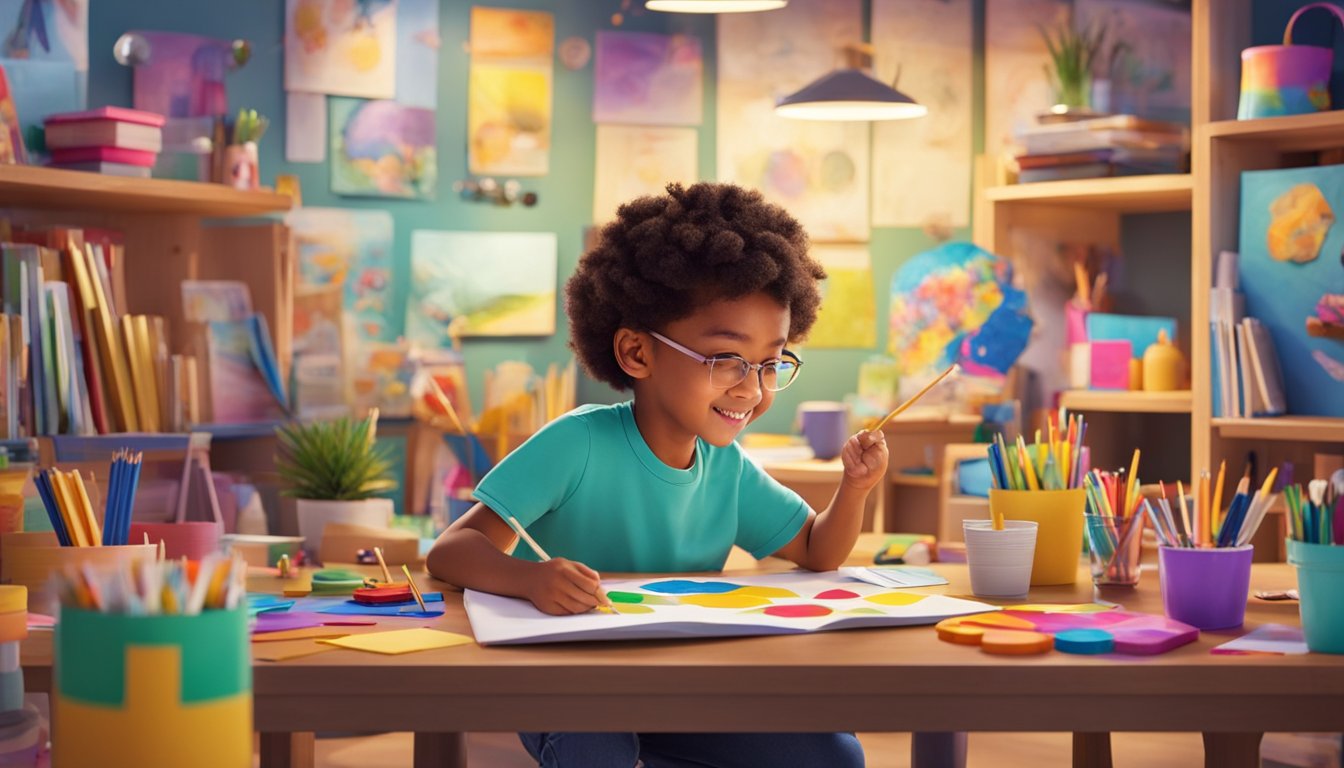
1247, 379
112, 140
1116, 145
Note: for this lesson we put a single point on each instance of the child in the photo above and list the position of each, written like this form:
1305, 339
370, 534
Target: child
690, 300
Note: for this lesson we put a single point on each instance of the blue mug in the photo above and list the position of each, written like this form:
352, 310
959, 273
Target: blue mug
826, 426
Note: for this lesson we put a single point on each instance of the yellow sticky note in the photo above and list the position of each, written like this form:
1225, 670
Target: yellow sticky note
400, 641
289, 649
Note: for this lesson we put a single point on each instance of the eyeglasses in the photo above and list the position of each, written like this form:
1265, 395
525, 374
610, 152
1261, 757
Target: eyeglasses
727, 371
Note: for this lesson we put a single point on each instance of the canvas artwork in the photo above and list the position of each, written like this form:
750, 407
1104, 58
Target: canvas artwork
928, 42
46, 56
1150, 75
341, 48
1016, 90
500, 283
382, 149
720, 606
418, 53
647, 79
509, 92
1292, 273
944, 300
319, 352
632, 161
350, 249
305, 127
819, 171
184, 75
848, 316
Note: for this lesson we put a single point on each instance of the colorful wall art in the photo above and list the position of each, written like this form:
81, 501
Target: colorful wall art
382, 149
759, 604
639, 160
509, 92
647, 79
848, 316
500, 283
341, 48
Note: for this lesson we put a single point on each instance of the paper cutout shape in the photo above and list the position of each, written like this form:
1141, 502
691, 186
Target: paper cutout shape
400, 641
292, 649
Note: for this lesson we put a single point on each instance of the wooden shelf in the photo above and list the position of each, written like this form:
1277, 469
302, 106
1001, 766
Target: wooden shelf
1125, 194
1297, 133
30, 186
1318, 429
1126, 402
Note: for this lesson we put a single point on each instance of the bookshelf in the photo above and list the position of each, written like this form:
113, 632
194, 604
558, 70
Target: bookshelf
1154, 193
171, 231
1224, 147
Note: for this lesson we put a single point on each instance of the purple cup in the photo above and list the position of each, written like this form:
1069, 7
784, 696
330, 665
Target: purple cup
1206, 588
826, 427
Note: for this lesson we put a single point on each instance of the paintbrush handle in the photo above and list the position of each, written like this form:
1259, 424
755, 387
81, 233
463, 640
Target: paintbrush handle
914, 398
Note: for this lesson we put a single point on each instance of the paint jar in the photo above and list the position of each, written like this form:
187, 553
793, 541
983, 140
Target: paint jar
132, 691
1320, 577
1206, 588
1000, 561
1059, 539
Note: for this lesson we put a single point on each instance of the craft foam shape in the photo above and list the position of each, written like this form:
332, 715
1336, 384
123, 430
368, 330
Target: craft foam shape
1016, 642
1084, 641
1150, 642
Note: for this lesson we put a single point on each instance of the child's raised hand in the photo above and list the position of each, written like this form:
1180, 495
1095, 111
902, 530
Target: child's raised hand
865, 459
564, 586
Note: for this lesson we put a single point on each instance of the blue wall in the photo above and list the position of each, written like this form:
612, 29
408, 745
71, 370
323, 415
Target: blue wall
565, 205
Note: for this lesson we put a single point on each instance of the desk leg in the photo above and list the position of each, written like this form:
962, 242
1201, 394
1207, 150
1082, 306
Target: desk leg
287, 750
440, 750
1232, 750
1092, 750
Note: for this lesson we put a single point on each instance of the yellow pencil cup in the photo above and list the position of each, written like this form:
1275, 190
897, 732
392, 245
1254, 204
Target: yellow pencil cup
135, 691
1059, 533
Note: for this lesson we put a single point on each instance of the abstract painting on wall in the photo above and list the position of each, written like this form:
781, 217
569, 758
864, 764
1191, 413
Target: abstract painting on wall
848, 316
929, 43
647, 79
817, 170
351, 249
499, 283
418, 53
344, 48
382, 149
509, 92
633, 161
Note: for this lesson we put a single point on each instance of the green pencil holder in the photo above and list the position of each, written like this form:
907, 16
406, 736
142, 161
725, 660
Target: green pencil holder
1320, 581
136, 691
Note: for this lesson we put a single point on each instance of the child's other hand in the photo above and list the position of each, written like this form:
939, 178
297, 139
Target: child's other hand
865, 459
563, 587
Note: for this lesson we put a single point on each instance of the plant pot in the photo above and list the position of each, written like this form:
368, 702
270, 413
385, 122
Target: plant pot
314, 514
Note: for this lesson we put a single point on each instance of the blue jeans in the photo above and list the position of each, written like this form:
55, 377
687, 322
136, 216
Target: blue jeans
694, 750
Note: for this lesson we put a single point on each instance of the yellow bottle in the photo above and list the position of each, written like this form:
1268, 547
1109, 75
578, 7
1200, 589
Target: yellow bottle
1163, 366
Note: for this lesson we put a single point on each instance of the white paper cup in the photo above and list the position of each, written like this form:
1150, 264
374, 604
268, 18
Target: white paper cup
1000, 561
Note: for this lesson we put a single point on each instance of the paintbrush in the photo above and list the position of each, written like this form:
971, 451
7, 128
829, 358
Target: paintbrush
897, 411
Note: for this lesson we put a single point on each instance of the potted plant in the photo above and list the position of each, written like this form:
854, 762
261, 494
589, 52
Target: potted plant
1072, 55
334, 471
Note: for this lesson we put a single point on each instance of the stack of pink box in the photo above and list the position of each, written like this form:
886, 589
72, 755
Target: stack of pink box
112, 140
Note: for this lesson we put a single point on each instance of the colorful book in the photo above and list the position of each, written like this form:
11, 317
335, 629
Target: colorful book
103, 155
109, 169
106, 127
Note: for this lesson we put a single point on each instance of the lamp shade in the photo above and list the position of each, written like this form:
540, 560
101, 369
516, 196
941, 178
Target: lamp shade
849, 94
714, 6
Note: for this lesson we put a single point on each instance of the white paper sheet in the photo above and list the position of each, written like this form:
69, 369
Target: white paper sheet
685, 607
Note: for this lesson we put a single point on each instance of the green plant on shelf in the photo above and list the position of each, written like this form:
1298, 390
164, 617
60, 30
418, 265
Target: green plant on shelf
1073, 52
334, 460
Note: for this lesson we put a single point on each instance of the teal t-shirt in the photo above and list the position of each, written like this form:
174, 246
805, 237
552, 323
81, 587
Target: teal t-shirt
588, 488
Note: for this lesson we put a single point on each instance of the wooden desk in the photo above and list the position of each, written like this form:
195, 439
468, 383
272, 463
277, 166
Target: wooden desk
862, 680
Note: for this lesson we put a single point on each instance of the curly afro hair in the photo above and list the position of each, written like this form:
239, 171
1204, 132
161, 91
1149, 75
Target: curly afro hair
665, 256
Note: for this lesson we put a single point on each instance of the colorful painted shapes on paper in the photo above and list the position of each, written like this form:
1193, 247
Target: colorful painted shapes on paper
630, 608
802, 611
836, 594
632, 598
688, 587
894, 598
728, 600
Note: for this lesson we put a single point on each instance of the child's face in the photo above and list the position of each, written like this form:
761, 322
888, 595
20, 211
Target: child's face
754, 328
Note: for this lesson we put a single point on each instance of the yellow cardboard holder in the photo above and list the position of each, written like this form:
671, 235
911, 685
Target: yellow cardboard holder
1059, 534
30, 558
